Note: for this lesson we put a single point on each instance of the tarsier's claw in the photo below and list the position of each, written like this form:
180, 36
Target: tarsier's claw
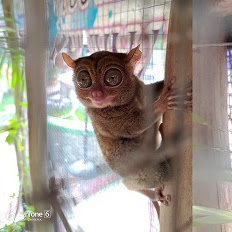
180, 99
164, 199
170, 83
172, 80
187, 102
189, 94
165, 203
168, 198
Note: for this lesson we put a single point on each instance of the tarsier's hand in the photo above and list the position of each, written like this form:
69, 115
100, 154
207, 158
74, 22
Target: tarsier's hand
174, 99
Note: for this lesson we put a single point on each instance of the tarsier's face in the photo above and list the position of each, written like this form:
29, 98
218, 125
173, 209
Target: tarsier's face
104, 78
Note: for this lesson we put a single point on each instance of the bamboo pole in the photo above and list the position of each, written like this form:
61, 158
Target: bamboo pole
19, 95
36, 55
178, 216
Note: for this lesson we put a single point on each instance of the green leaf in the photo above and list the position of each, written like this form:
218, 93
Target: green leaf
8, 76
2, 60
25, 169
12, 50
21, 223
198, 119
13, 195
10, 139
14, 76
7, 228
27, 218
203, 216
31, 208
20, 162
7, 19
28, 208
196, 146
17, 227
20, 146
13, 120
13, 131
205, 211
19, 77
7, 29
23, 104
14, 227
27, 183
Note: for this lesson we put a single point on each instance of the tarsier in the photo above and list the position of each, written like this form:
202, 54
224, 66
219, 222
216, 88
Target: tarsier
126, 115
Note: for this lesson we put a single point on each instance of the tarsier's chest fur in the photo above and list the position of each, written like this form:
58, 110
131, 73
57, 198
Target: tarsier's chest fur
114, 134
114, 128
121, 141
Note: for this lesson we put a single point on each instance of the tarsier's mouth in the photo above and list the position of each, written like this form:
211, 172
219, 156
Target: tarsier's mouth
102, 101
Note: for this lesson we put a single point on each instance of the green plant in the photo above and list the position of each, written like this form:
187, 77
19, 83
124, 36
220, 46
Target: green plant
203, 216
13, 61
18, 226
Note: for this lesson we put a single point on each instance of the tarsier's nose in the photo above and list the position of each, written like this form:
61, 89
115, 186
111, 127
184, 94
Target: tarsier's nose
97, 94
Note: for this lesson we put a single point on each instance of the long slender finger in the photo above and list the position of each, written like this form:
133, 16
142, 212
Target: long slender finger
179, 92
184, 109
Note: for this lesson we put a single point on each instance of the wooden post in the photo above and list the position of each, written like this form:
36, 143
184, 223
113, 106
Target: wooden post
36, 55
178, 216
210, 103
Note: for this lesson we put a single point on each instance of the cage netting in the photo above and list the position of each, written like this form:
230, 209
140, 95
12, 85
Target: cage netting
79, 28
229, 72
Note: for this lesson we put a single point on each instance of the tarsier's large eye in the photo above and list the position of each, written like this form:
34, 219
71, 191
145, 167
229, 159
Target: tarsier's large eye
84, 79
113, 77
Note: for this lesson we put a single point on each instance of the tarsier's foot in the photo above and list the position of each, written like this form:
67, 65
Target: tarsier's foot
174, 99
157, 195
164, 199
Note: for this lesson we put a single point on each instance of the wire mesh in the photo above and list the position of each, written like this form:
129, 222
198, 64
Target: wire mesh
229, 101
80, 28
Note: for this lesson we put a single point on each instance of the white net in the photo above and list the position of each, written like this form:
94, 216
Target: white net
80, 28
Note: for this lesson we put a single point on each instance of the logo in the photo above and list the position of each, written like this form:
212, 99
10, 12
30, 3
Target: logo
47, 213
30, 216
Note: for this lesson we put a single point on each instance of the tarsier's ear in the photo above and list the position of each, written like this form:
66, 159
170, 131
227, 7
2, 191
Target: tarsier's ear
134, 56
68, 60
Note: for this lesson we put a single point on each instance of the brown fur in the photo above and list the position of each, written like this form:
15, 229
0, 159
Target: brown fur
126, 128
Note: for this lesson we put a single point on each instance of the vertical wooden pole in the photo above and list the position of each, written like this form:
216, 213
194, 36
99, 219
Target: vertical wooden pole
178, 216
36, 46
210, 103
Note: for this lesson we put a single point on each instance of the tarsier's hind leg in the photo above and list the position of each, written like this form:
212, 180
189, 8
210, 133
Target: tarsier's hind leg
157, 195
153, 173
151, 177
